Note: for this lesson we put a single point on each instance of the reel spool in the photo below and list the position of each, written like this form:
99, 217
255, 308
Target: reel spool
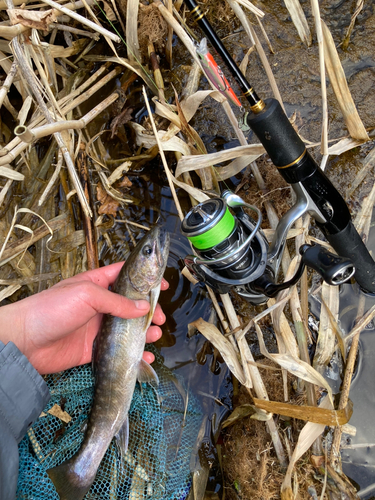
231, 249
232, 252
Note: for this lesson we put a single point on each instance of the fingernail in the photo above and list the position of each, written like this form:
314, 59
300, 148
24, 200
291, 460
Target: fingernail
142, 304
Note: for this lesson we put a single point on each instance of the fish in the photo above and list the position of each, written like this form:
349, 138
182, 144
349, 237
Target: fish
117, 365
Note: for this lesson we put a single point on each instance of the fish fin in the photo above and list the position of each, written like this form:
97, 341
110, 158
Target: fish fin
65, 482
153, 299
122, 437
146, 373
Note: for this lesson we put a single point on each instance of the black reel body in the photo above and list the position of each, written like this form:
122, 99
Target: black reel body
232, 251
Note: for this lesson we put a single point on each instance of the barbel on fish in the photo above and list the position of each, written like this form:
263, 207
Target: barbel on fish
118, 364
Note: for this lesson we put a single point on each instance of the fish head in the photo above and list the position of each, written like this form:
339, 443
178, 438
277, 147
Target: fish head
147, 262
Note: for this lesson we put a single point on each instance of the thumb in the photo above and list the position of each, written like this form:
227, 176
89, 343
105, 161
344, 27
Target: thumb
107, 302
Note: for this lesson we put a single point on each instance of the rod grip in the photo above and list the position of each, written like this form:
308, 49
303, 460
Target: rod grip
282, 143
348, 243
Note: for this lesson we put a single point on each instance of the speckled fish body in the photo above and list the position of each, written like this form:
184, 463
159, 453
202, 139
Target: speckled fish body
118, 364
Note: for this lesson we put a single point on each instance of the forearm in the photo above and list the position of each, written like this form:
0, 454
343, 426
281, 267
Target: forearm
23, 395
11, 325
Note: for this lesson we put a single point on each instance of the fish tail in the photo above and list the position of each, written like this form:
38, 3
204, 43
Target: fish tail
68, 483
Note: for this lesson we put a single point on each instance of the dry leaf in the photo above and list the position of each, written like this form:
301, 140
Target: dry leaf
246, 410
248, 5
185, 272
124, 117
108, 205
32, 18
306, 438
299, 20
110, 15
59, 51
326, 343
148, 140
56, 411
118, 172
340, 87
314, 414
125, 183
188, 163
223, 345
294, 365
239, 412
8, 291
9, 173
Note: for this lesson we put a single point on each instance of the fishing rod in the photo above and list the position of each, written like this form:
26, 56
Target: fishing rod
224, 260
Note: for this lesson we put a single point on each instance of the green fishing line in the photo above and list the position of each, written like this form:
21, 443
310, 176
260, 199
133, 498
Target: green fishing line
215, 235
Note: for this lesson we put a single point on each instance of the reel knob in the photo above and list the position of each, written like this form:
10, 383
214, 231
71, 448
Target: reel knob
335, 270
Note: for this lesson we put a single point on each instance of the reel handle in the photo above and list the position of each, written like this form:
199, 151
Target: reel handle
335, 270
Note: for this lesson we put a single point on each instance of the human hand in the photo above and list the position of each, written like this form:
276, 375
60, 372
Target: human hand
55, 329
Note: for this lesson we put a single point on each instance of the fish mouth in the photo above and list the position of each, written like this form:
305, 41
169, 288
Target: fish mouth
163, 246
163, 238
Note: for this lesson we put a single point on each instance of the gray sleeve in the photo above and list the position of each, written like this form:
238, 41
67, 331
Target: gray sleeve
23, 395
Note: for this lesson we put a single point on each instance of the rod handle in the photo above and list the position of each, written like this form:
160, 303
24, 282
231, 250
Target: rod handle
282, 143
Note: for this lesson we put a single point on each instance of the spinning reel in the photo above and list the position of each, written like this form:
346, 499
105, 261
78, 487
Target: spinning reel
232, 251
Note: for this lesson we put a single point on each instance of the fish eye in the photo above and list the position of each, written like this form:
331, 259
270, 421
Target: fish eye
147, 250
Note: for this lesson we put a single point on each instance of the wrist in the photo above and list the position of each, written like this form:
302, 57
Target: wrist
12, 326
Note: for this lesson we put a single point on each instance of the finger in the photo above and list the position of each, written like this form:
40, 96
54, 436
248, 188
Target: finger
164, 284
107, 302
153, 334
103, 276
158, 317
148, 357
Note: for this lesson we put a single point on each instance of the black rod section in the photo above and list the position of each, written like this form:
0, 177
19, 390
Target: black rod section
254, 101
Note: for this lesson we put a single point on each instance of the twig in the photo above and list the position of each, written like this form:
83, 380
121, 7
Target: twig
358, 9
76, 31
52, 180
88, 223
83, 20
162, 155
17, 247
16, 146
8, 82
319, 34
30, 135
132, 223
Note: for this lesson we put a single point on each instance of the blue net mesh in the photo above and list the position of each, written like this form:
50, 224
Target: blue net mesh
163, 428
